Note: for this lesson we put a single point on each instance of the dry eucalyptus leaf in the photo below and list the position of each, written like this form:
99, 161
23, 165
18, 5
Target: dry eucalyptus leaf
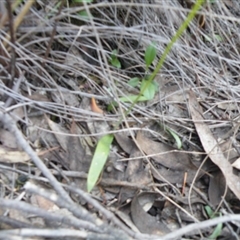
211, 146
216, 188
77, 158
8, 156
173, 176
43, 203
56, 128
236, 164
167, 155
126, 219
135, 173
228, 150
144, 221
230, 106
8, 139
125, 142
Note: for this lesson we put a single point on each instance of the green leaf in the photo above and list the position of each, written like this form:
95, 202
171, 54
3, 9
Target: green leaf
114, 60
84, 14
82, 1
197, 5
150, 91
217, 231
218, 37
150, 54
99, 159
156, 85
116, 63
134, 82
209, 211
132, 98
176, 138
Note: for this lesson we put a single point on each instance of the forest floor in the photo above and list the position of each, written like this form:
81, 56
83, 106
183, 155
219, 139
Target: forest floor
69, 72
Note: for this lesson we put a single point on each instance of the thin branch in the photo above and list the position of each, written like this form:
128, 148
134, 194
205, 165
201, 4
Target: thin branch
56, 233
201, 225
65, 219
9, 123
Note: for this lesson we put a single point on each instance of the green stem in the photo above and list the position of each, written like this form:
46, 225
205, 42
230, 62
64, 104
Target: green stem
180, 31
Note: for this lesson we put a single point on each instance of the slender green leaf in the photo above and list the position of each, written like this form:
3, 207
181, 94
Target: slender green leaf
114, 60
148, 92
132, 98
184, 25
84, 14
156, 85
209, 211
217, 231
99, 159
176, 138
82, 1
150, 54
134, 82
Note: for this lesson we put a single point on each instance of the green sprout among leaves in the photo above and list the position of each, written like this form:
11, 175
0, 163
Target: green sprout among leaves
114, 60
218, 229
148, 92
104, 144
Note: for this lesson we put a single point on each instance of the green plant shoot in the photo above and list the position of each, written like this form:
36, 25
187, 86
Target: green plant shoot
150, 54
176, 138
99, 159
103, 146
218, 229
182, 28
114, 60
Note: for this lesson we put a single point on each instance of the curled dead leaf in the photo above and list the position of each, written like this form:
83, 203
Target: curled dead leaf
95, 107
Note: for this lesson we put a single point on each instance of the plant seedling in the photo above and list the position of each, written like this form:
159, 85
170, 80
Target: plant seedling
104, 144
218, 229
99, 159
114, 60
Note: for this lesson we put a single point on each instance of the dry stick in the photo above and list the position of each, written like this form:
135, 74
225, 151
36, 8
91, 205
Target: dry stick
19, 18
4, 18
62, 233
15, 88
52, 35
14, 223
35, 189
76, 210
9, 123
68, 220
197, 226
12, 37
109, 215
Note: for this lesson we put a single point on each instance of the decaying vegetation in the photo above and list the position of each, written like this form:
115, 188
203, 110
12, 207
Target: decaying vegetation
68, 71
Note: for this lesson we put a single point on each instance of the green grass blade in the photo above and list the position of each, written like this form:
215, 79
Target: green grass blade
176, 138
99, 159
217, 231
180, 31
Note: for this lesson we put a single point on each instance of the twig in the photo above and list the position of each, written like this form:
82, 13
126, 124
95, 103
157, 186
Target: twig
201, 225
78, 211
9, 123
68, 220
56, 233
12, 37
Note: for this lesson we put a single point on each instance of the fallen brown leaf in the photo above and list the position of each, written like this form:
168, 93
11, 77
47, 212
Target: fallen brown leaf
211, 146
95, 107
